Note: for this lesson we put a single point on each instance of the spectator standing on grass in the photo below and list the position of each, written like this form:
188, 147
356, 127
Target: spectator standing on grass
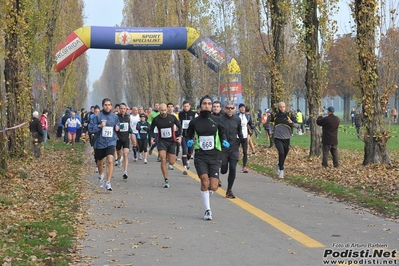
353, 113
44, 123
358, 120
330, 124
37, 133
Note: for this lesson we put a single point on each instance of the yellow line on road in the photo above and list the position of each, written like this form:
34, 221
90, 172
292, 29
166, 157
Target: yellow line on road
276, 223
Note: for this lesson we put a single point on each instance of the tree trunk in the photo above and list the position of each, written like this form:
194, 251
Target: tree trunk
312, 82
277, 24
347, 108
374, 102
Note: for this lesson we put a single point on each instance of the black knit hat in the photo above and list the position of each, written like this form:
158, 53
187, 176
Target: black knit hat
206, 97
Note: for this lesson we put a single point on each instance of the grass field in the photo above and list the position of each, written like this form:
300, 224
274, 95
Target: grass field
347, 139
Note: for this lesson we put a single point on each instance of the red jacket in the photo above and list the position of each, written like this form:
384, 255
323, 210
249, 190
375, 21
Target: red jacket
43, 122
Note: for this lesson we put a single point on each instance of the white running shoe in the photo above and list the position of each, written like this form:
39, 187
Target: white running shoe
170, 167
208, 215
141, 156
185, 170
281, 174
125, 175
188, 165
145, 161
277, 169
96, 169
108, 186
166, 184
101, 180
135, 159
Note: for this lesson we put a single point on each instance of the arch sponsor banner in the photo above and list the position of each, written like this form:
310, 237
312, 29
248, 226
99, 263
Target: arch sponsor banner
148, 38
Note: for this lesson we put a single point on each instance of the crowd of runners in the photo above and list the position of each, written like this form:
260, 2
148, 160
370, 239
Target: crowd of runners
210, 132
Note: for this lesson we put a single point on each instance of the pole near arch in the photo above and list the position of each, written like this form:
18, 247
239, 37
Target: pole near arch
142, 38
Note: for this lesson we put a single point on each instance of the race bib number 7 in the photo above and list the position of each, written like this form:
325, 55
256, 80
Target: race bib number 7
108, 132
207, 142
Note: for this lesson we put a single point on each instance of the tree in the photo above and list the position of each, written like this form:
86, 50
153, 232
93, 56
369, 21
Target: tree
316, 29
374, 99
342, 70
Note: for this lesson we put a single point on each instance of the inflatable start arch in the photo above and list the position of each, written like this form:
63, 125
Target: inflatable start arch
123, 38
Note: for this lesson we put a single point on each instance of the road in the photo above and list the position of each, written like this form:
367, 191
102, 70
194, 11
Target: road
269, 223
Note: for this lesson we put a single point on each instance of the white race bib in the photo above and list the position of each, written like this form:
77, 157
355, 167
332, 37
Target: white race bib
166, 133
108, 132
185, 124
207, 142
124, 127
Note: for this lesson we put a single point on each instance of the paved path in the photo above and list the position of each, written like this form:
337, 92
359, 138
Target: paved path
269, 223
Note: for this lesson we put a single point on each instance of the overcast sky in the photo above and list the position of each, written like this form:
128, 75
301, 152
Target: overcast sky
100, 13
109, 13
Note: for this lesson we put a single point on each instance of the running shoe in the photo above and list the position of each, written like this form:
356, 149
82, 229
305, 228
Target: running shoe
96, 169
108, 186
135, 159
170, 167
277, 169
245, 169
166, 184
188, 165
158, 159
101, 180
150, 151
145, 161
116, 162
141, 156
185, 170
230, 195
281, 174
125, 175
208, 215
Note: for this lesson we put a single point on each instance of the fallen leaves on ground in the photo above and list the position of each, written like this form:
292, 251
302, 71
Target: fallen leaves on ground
28, 191
381, 179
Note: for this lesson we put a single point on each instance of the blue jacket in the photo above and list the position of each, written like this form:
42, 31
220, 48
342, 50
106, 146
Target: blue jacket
101, 141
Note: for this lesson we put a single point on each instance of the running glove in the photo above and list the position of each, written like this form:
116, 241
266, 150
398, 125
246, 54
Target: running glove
225, 144
190, 143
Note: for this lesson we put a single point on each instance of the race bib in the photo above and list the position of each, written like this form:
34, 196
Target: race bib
108, 132
156, 130
143, 129
185, 124
124, 127
166, 133
207, 142
85, 124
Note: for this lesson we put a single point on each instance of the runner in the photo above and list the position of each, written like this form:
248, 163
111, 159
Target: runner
104, 127
123, 138
72, 125
134, 118
167, 140
230, 156
185, 117
143, 127
208, 146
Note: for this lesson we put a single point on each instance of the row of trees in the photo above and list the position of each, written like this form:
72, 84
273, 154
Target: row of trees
282, 51
30, 29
